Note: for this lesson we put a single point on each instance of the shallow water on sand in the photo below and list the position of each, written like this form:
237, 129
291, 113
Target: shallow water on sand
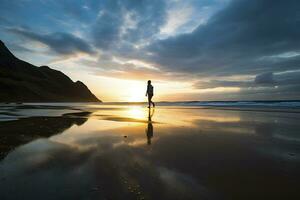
131, 152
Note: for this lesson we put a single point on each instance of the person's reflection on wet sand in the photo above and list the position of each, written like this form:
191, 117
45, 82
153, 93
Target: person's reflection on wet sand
149, 129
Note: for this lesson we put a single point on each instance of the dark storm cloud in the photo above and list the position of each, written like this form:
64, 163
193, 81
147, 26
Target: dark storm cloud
62, 43
235, 40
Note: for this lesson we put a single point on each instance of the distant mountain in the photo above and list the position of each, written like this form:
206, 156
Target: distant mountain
23, 82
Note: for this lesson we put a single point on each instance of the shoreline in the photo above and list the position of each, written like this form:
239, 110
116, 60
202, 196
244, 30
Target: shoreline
17, 112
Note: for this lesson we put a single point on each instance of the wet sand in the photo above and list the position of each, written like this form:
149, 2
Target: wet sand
127, 152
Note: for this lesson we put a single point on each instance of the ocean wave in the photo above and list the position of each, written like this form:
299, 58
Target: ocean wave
271, 104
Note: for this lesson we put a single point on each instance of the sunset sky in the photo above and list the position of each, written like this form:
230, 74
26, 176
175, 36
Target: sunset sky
190, 49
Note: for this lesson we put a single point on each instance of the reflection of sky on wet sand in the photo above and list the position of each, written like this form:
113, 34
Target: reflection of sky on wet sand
194, 154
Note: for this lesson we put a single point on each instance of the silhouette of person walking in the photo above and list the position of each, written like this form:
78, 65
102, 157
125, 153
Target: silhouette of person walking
149, 129
149, 93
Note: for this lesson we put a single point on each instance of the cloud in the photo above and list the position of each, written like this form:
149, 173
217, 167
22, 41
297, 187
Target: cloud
261, 80
263, 86
59, 42
127, 21
235, 40
185, 16
109, 66
265, 78
20, 48
221, 83
203, 42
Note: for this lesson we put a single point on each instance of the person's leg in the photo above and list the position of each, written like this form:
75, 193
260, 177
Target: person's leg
149, 101
152, 101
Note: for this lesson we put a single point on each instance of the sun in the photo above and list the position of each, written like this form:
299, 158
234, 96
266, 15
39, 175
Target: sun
136, 92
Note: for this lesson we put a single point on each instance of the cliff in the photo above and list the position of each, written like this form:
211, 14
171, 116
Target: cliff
23, 82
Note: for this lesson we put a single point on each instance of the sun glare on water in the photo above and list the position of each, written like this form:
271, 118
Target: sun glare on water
136, 112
